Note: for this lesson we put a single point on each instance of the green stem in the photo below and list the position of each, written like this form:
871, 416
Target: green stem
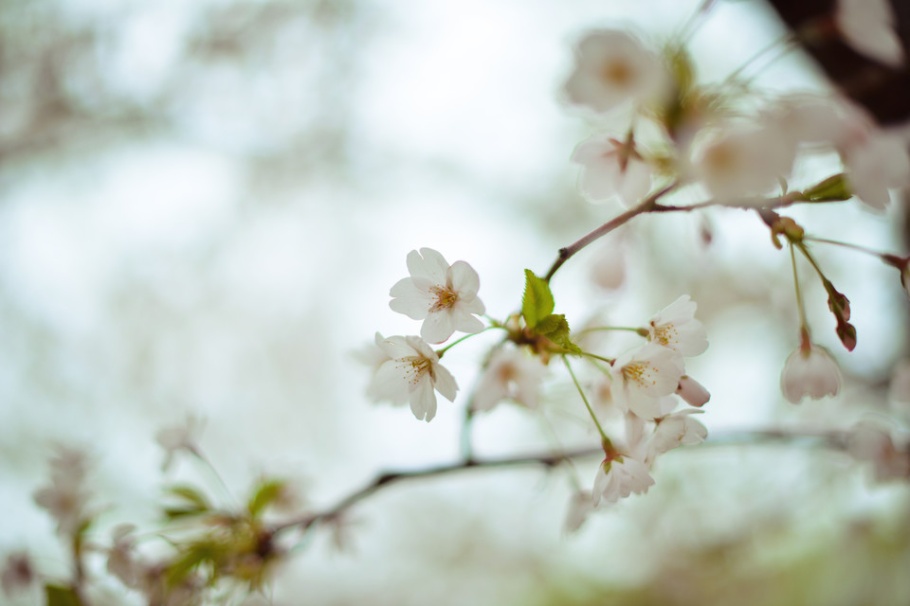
440, 352
803, 325
467, 449
849, 246
584, 398
786, 41
638, 330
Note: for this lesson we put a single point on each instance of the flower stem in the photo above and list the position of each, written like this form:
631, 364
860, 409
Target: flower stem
440, 352
785, 42
636, 329
646, 205
848, 245
584, 398
803, 325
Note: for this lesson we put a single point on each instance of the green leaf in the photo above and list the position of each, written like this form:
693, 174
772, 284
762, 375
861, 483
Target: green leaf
265, 495
556, 328
58, 595
537, 302
190, 495
833, 189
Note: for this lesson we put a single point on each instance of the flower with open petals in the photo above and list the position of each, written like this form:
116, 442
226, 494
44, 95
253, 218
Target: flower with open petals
868, 27
511, 375
674, 430
611, 168
443, 296
675, 327
643, 376
875, 164
619, 477
612, 66
810, 371
410, 375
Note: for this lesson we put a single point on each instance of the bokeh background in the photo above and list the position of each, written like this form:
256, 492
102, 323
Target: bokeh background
202, 208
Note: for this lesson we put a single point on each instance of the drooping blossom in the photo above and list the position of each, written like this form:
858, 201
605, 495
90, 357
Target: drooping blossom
443, 296
875, 164
871, 442
612, 67
619, 477
868, 27
410, 375
611, 168
641, 377
674, 430
693, 392
182, 436
675, 327
810, 371
581, 504
66, 497
511, 375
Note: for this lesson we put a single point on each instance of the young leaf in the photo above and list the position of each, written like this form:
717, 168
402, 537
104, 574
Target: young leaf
537, 302
58, 595
190, 495
556, 328
833, 189
265, 495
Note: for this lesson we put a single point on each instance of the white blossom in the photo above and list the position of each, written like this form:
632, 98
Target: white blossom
443, 296
693, 392
810, 371
608, 269
121, 560
641, 377
581, 504
868, 26
739, 161
181, 436
511, 374
611, 168
871, 442
410, 375
875, 164
675, 327
620, 477
612, 67
676, 429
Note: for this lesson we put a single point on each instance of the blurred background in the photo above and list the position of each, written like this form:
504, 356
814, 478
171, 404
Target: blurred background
203, 206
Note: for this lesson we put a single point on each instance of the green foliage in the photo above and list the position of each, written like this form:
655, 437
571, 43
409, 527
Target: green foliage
58, 595
537, 302
266, 494
555, 327
192, 502
833, 189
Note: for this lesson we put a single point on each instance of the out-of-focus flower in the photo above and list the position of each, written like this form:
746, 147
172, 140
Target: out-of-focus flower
618, 478
868, 26
693, 392
182, 436
899, 391
443, 296
66, 497
121, 561
612, 67
740, 161
675, 327
18, 574
641, 377
871, 442
581, 504
611, 168
875, 164
410, 374
511, 374
810, 371
608, 269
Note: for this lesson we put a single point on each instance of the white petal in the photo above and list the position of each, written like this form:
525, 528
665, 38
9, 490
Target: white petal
423, 400
438, 326
463, 279
445, 383
431, 265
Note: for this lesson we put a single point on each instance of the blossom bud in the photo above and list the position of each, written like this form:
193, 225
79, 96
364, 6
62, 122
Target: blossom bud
693, 392
810, 371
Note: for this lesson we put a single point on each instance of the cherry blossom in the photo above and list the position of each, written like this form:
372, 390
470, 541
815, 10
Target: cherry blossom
611, 168
693, 392
676, 429
871, 442
810, 371
410, 375
612, 67
66, 497
182, 436
581, 504
511, 374
868, 26
619, 477
875, 164
641, 377
443, 296
675, 327
738, 160
899, 390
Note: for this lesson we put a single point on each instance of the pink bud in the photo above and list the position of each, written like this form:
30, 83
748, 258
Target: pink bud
692, 392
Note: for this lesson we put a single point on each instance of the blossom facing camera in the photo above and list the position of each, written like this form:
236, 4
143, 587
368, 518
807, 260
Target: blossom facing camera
612, 67
810, 371
443, 296
675, 327
411, 374
611, 168
643, 376
513, 375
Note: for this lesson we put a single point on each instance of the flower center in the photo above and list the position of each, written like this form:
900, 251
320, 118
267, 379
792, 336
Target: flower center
445, 298
416, 367
639, 373
616, 73
665, 334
